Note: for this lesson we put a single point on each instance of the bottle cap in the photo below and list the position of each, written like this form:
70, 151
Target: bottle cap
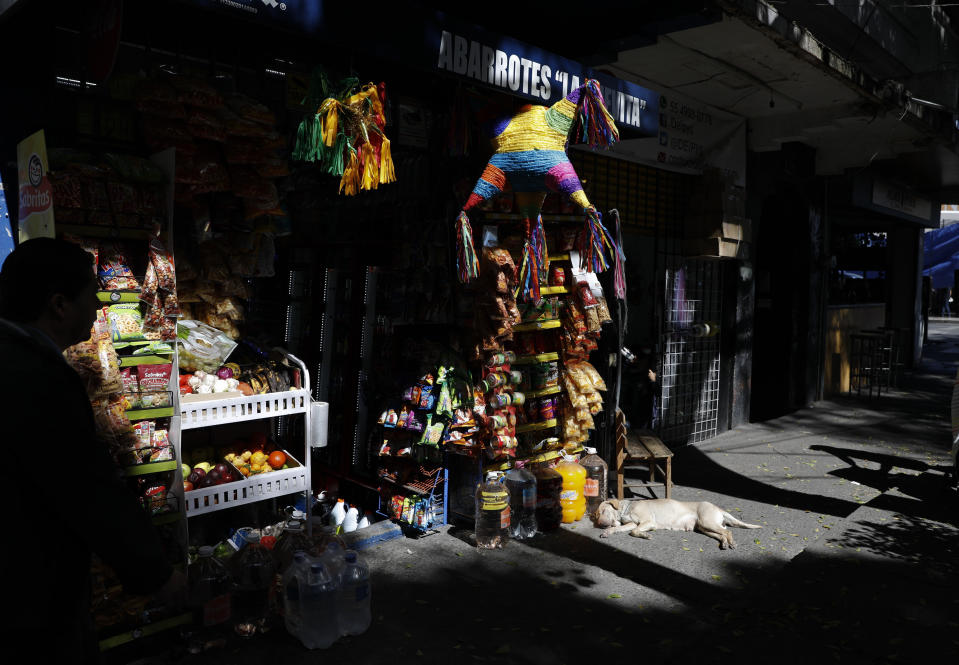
340, 501
299, 555
316, 567
206, 550
491, 476
252, 538
298, 515
350, 556
590, 451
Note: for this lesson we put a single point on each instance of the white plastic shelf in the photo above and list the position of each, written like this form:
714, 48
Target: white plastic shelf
249, 490
240, 409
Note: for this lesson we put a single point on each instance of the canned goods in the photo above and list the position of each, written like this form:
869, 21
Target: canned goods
547, 408
519, 399
516, 377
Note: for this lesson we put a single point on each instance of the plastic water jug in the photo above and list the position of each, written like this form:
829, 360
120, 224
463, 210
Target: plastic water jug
522, 501
253, 573
318, 608
492, 513
549, 485
209, 586
571, 498
354, 615
597, 474
338, 514
294, 579
351, 521
292, 539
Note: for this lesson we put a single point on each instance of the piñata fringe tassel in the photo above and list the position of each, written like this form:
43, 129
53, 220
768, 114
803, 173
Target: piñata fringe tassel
467, 263
533, 259
593, 243
371, 177
349, 183
329, 110
387, 173
619, 270
596, 125
334, 156
539, 246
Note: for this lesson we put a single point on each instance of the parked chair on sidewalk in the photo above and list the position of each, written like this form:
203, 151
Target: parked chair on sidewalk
641, 448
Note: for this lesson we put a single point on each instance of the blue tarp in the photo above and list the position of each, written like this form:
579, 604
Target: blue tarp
6, 235
941, 255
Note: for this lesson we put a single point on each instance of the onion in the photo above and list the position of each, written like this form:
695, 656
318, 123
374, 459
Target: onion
224, 373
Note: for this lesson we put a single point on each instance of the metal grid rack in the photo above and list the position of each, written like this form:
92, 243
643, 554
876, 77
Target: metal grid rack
689, 378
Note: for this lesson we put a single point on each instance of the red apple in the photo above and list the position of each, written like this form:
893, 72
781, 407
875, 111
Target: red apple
187, 486
205, 481
223, 469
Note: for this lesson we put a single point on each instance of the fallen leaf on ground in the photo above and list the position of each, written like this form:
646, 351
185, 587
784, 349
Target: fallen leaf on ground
614, 595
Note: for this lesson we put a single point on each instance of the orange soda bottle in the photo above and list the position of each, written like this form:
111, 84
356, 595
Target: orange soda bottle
571, 498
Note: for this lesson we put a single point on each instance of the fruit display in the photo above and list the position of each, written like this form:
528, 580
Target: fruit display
243, 458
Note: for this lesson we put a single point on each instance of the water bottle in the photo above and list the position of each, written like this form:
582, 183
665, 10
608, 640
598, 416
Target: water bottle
597, 474
209, 586
332, 557
253, 573
549, 484
492, 513
364, 521
522, 501
354, 614
318, 608
351, 520
294, 579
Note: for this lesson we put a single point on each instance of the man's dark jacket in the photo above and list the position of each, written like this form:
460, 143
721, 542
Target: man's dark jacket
63, 497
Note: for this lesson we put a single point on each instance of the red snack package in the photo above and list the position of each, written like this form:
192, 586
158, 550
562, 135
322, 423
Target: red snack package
154, 378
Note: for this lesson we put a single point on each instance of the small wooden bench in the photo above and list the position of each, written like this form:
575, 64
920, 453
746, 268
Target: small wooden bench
641, 448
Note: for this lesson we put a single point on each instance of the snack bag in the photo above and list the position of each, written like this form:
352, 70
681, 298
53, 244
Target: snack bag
162, 262
126, 322
114, 270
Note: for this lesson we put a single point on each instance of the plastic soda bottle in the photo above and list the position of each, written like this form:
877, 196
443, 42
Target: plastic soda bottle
318, 608
209, 586
571, 497
549, 484
522, 501
354, 615
492, 513
597, 474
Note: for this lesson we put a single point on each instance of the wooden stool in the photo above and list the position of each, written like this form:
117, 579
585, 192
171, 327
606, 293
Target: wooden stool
641, 448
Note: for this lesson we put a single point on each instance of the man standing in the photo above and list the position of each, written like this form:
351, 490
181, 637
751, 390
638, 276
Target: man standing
62, 494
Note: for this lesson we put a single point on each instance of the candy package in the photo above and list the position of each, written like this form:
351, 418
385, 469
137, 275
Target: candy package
114, 271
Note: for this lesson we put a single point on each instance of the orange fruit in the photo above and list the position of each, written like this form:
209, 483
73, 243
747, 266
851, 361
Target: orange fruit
277, 459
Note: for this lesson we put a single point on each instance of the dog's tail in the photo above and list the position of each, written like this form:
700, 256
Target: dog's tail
732, 521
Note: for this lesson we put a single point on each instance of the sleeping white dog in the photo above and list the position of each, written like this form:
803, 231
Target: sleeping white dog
638, 516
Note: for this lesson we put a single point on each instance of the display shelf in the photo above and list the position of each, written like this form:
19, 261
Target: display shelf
533, 427
249, 490
536, 358
150, 414
145, 631
537, 325
424, 487
552, 290
559, 257
94, 231
132, 361
533, 459
542, 392
113, 297
151, 467
244, 408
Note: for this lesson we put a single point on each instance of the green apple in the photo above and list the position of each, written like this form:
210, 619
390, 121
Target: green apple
185, 470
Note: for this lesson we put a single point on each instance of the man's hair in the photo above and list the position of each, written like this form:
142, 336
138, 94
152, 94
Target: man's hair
36, 271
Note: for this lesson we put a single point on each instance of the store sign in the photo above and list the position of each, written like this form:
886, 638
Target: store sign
36, 193
691, 136
901, 200
525, 71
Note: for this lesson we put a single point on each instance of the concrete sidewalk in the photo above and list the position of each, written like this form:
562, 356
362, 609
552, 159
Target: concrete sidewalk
856, 561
